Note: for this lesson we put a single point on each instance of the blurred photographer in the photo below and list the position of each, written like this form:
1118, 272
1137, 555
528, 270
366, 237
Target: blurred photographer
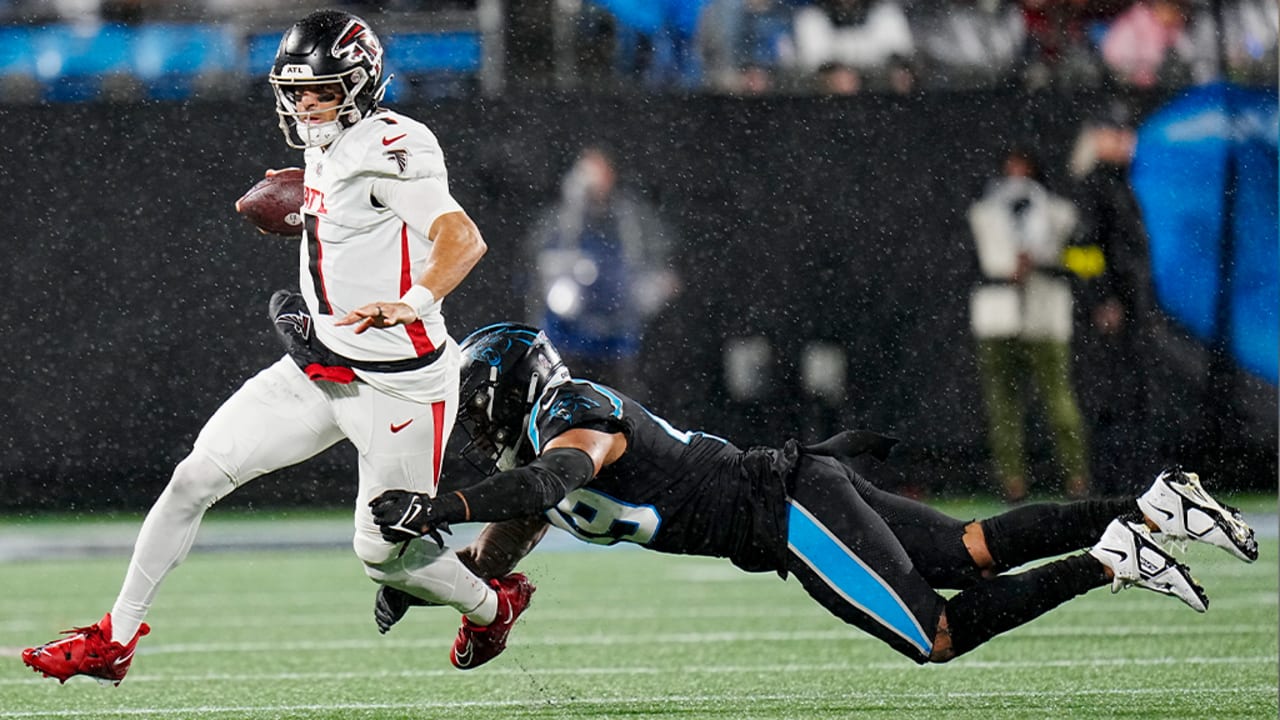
1021, 316
1117, 300
603, 271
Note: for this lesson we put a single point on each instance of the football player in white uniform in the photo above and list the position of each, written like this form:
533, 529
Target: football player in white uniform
384, 243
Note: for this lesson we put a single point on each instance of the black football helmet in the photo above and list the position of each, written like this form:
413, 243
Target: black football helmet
327, 47
505, 368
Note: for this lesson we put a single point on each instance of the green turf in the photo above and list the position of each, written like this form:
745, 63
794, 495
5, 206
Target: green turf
628, 634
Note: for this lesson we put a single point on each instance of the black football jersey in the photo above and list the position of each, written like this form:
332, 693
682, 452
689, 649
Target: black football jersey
672, 490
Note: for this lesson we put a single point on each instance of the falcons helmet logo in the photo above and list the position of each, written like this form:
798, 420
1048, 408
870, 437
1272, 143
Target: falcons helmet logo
356, 44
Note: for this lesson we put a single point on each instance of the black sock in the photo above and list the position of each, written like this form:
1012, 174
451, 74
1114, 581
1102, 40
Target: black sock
1041, 530
989, 608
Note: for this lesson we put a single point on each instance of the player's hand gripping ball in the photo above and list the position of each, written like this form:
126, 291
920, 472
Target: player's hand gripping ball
274, 205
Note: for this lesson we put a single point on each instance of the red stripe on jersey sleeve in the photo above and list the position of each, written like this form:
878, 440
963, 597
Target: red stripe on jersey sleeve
417, 329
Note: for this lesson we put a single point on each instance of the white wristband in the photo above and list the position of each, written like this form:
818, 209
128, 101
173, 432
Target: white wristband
420, 299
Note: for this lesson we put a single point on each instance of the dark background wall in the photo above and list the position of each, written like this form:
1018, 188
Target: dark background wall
134, 298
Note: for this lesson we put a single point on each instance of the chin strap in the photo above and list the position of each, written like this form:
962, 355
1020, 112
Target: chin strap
318, 135
382, 89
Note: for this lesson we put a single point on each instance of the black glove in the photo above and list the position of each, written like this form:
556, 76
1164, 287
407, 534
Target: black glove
391, 604
292, 320
402, 515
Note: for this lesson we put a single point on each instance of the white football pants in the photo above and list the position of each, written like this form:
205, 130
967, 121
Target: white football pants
279, 418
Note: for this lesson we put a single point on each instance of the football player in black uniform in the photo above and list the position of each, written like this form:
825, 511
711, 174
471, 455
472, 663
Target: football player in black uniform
586, 458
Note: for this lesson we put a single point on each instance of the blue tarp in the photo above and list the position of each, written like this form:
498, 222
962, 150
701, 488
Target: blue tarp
1180, 178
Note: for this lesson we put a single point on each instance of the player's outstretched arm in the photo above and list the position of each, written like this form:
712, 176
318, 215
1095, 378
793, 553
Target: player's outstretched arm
568, 462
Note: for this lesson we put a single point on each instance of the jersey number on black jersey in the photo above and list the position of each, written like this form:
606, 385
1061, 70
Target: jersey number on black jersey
597, 518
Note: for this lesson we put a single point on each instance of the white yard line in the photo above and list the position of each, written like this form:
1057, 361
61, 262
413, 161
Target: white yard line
327, 616
682, 700
889, 666
841, 634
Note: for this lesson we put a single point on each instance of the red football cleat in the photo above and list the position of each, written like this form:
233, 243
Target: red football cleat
85, 651
478, 644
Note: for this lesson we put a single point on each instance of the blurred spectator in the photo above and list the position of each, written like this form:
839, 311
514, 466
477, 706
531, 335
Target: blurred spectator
968, 42
602, 260
76, 10
1062, 37
1249, 41
1118, 302
655, 40
1021, 317
375, 6
1149, 42
861, 34
116, 11
756, 80
900, 76
741, 42
837, 79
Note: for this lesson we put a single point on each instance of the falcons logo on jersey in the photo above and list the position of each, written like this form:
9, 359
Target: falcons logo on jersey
356, 43
399, 157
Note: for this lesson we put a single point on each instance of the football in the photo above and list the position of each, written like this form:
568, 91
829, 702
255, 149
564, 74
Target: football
274, 205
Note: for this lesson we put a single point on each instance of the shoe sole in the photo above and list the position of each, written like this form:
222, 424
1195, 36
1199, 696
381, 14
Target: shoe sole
1239, 535
1183, 586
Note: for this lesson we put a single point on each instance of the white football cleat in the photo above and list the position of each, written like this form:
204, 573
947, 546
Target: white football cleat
1182, 510
1135, 559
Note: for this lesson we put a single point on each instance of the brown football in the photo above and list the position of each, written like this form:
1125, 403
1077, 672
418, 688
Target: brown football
274, 205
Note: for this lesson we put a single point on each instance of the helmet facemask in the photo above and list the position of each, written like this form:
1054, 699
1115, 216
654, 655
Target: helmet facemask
326, 48
299, 131
496, 425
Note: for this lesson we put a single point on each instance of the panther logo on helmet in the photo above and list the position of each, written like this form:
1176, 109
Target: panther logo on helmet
490, 355
506, 367
356, 43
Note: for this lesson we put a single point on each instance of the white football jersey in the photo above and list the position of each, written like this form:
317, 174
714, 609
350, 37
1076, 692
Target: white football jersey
354, 252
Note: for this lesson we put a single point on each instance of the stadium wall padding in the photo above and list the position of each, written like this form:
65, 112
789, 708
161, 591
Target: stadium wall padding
135, 297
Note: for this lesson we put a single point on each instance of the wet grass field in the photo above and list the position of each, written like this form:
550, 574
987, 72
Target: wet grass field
622, 633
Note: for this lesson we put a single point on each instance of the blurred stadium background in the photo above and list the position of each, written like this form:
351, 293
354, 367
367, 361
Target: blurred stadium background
822, 212
135, 297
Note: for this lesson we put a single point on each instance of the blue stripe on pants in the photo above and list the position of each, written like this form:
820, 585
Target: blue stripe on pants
847, 575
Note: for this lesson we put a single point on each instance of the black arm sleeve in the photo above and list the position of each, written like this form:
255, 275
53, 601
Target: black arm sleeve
514, 493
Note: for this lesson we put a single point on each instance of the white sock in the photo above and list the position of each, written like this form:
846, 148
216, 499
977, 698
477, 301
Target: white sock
164, 540
438, 576
487, 612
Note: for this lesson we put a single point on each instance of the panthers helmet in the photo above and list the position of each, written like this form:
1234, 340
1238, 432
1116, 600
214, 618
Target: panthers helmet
327, 47
505, 369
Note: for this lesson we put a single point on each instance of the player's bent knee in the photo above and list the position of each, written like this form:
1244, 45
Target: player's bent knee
197, 483
386, 564
374, 552
391, 572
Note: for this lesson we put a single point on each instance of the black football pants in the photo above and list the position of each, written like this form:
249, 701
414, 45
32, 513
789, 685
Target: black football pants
876, 560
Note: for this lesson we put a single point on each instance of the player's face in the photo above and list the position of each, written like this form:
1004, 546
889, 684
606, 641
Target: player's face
319, 104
